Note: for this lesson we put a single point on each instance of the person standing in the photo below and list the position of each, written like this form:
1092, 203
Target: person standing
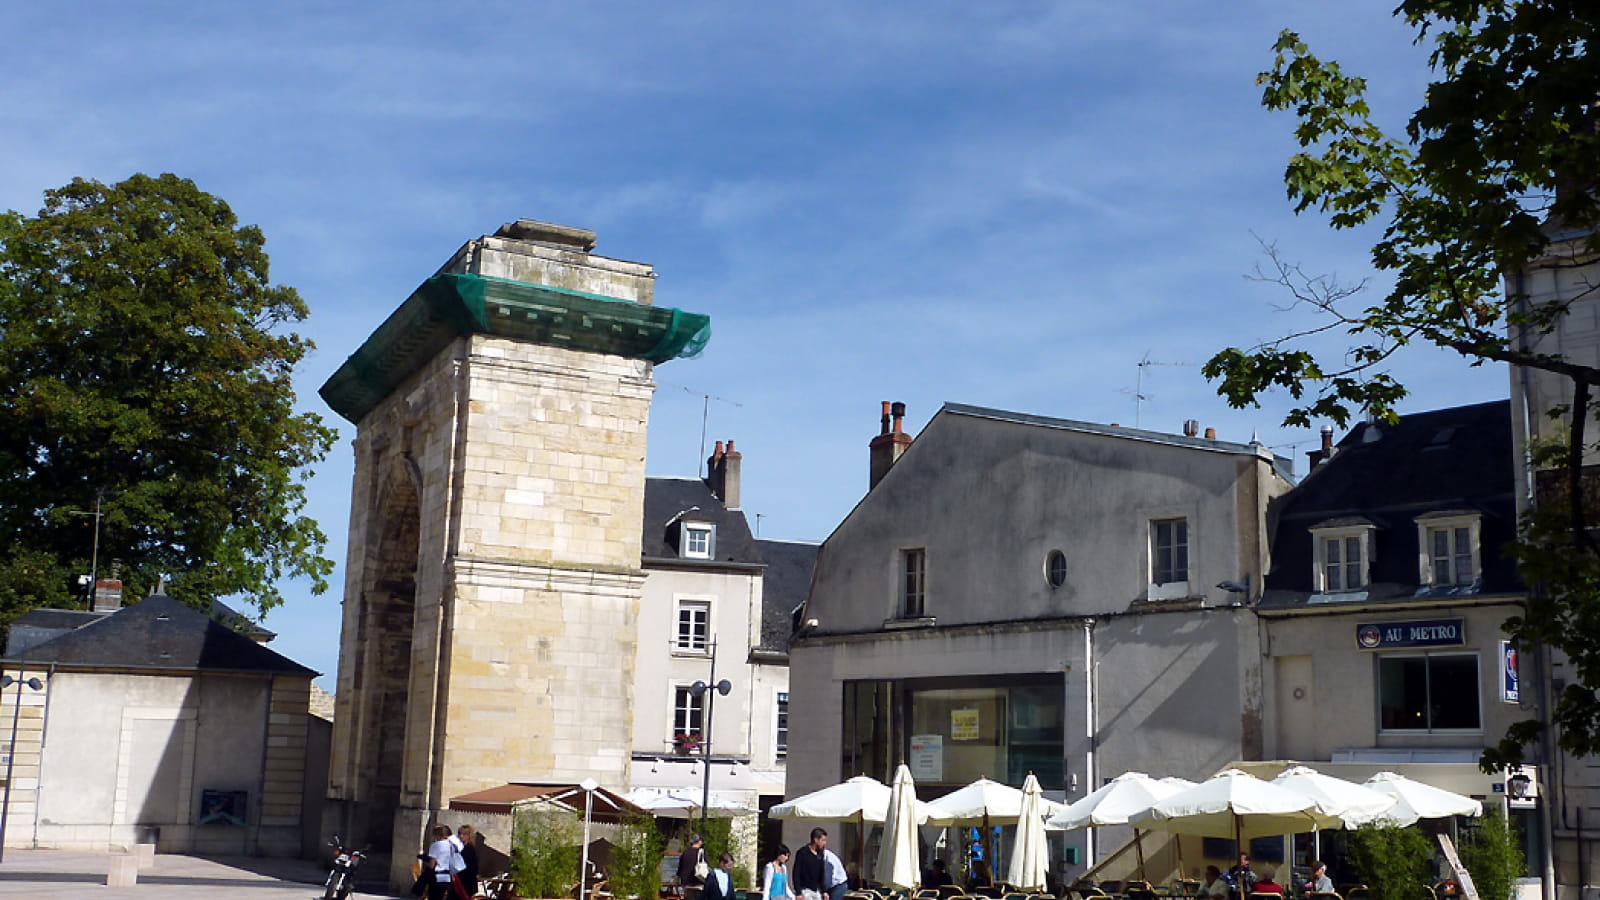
775, 880
693, 868
446, 862
719, 881
809, 868
836, 882
467, 837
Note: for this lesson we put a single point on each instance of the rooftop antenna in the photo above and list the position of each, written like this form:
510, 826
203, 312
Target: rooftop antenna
94, 554
759, 517
705, 414
1139, 396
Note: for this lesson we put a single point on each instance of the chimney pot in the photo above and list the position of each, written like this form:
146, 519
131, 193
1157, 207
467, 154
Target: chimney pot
1327, 438
1190, 427
886, 448
1211, 434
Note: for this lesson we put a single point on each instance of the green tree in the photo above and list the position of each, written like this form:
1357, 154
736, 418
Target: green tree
546, 851
145, 361
635, 869
1393, 862
1492, 853
1502, 146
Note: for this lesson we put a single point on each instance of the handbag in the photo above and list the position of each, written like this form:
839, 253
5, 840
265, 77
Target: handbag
702, 869
458, 889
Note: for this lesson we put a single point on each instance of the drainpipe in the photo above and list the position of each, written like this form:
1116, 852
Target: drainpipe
1089, 732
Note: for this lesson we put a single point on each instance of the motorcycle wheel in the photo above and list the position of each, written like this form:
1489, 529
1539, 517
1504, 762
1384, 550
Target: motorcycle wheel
334, 887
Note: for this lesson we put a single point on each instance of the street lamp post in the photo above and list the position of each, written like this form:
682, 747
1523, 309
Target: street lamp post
11, 755
709, 690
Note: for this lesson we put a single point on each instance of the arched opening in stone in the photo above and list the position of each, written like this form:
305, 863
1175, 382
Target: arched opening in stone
389, 617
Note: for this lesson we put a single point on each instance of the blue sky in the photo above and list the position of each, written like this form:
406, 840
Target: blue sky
1000, 203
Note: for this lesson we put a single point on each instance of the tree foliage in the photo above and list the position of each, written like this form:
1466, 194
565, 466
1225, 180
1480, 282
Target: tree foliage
1501, 155
546, 852
1492, 853
145, 363
1393, 862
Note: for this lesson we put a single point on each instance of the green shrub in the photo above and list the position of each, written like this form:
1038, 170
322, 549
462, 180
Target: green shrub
1395, 863
1492, 853
636, 860
545, 852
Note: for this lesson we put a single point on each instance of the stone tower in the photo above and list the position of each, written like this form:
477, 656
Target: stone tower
493, 574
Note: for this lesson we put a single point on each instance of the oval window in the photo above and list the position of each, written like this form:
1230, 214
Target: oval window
1055, 568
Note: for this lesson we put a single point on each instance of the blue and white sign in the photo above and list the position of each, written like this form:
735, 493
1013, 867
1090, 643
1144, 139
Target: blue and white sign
1510, 688
1426, 633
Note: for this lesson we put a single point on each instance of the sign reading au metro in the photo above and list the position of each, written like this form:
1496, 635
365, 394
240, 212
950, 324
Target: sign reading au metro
1425, 633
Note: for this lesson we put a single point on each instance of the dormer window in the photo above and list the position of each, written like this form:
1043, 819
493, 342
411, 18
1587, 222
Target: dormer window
697, 540
1447, 544
1343, 555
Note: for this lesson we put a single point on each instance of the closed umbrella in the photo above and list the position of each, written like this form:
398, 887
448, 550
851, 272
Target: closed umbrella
1233, 804
1415, 800
1030, 858
861, 800
988, 803
1114, 802
897, 854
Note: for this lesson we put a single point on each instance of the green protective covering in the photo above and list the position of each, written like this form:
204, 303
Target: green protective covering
446, 307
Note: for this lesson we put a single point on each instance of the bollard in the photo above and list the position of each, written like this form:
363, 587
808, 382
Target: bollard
146, 854
124, 871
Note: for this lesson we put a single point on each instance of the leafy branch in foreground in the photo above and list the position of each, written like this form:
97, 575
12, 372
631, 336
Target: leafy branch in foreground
1495, 172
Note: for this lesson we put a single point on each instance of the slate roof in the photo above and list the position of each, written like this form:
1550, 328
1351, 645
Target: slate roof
159, 633
1456, 460
666, 498
786, 585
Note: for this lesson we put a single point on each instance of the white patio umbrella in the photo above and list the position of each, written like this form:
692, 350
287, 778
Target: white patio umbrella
987, 803
861, 800
663, 803
1030, 858
897, 854
1114, 802
1351, 802
1233, 804
1415, 800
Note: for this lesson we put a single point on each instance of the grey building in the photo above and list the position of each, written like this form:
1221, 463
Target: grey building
1018, 593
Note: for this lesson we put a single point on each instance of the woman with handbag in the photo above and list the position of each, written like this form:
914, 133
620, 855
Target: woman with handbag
693, 868
447, 866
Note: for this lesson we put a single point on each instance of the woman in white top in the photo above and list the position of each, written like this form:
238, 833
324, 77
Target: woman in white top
775, 883
446, 859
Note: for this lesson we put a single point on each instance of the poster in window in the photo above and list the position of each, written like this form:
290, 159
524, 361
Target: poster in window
223, 807
963, 724
927, 757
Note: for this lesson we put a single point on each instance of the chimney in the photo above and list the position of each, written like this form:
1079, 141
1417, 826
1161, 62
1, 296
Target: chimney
107, 595
722, 474
891, 441
1191, 428
1318, 457
1211, 434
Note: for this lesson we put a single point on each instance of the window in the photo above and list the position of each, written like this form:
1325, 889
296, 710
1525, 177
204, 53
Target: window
1343, 556
1169, 551
694, 627
1448, 545
780, 743
913, 582
1432, 692
1055, 568
698, 539
688, 714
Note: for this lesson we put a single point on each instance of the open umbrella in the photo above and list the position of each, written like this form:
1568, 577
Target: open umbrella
1114, 802
861, 800
897, 854
1352, 803
1415, 800
662, 803
1030, 859
1234, 804
988, 803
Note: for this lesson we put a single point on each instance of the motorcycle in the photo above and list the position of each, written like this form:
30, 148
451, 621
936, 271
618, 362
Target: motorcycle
343, 876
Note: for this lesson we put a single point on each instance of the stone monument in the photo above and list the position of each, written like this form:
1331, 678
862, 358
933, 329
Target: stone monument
493, 577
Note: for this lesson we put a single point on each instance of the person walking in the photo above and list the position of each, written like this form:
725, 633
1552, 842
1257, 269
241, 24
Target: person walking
467, 837
775, 879
446, 862
836, 882
719, 881
693, 868
809, 867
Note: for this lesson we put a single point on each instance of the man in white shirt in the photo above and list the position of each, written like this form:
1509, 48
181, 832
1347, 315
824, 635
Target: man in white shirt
834, 879
719, 884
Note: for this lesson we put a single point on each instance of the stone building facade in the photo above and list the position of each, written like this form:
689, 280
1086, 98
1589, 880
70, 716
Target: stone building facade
493, 580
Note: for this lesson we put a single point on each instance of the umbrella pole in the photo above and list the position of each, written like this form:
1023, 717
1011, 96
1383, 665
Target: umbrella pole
988, 844
861, 850
1138, 847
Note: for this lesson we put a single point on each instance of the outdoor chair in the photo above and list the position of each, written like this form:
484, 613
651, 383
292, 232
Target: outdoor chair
1265, 895
1014, 895
951, 890
926, 894
1323, 895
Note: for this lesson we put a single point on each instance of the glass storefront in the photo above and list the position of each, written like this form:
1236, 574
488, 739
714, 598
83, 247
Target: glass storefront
953, 731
